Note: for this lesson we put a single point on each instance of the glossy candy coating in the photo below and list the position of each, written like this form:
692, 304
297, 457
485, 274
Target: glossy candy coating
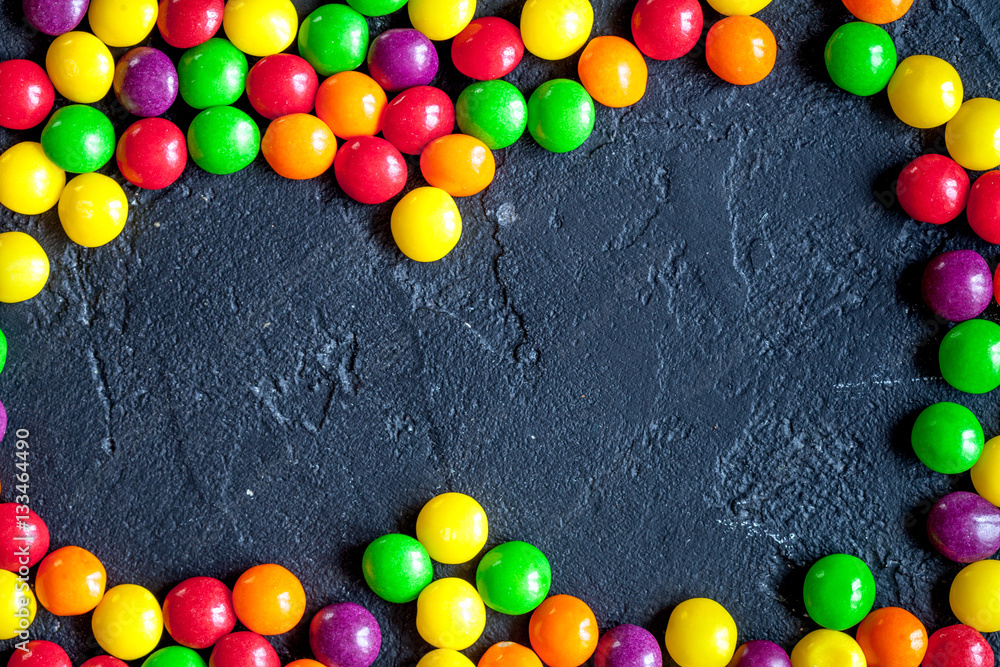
839, 591
827, 648
563, 631
958, 646
93, 210
933, 188
3, 413
3, 360
760, 653
556, 29
397, 567
513, 577
345, 635
975, 595
416, 117
860, 58
741, 50
128, 623
104, 661
947, 438
146, 82
19, 531
666, 29
282, 84
494, 112
376, 7
299, 146
24, 270
305, 662
986, 472
243, 649
440, 19
488, 48
40, 653
174, 656
402, 58
269, 600
964, 527
892, 637
16, 597
738, 7
122, 23
30, 183
957, 285
510, 654
79, 139
54, 17
260, 27
613, 71
212, 74
444, 657
628, 646
370, 170
973, 134
223, 140
198, 612
334, 38
450, 613
351, 104
187, 23
560, 115
452, 527
152, 153
80, 67
969, 356
426, 226
984, 207
26, 94
701, 633
925, 91
878, 11
461, 166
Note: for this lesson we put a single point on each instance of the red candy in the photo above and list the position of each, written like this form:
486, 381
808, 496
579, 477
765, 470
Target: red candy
199, 612
933, 188
487, 49
40, 653
104, 661
243, 649
152, 153
26, 94
957, 646
19, 532
984, 207
282, 84
666, 29
370, 170
416, 117
187, 23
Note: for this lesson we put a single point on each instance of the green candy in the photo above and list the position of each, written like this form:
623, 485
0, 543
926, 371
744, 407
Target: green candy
493, 112
560, 115
513, 578
376, 7
397, 567
223, 140
79, 139
860, 58
212, 74
839, 591
948, 438
334, 38
174, 656
3, 350
969, 356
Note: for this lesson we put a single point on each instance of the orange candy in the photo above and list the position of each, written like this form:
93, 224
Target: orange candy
299, 146
509, 654
269, 600
741, 50
563, 631
70, 581
878, 11
305, 662
613, 71
458, 164
892, 637
351, 103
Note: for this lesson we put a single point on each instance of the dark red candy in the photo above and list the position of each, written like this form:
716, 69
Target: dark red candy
666, 29
187, 23
152, 153
243, 649
104, 661
40, 653
370, 170
199, 612
19, 532
26, 95
282, 84
984, 207
957, 646
416, 117
933, 188
487, 49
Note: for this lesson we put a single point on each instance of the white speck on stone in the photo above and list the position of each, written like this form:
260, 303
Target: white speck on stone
506, 214
250, 493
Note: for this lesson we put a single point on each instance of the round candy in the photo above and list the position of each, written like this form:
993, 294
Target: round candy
493, 112
878, 11
416, 117
563, 631
445, 657
79, 139
24, 270
198, 612
969, 356
119, 23
3, 360
510, 654
701, 633
450, 613
760, 653
628, 646
299, 146
947, 438
223, 140
975, 595
451, 526
426, 225
29, 181
17, 602
513, 578
556, 29
958, 646
305, 662
738, 7
152, 153
986, 472
458, 164
370, 170
281, 85
892, 637
212, 74
260, 27
666, 29
93, 210
351, 104
376, 7
334, 38
128, 623
20, 534
146, 82
827, 648
54, 18
402, 58
741, 50
39, 653
3, 414
80, 67
397, 568
269, 600
441, 19
984, 207
925, 91
860, 58
243, 649
560, 115
933, 188
957, 285
613, 71
839, 591
345, 635
174, 656
973, 135
104, 661
26, 95
187, 23
488, 48
964, 527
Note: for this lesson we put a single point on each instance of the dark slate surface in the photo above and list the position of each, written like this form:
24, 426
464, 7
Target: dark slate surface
682, 360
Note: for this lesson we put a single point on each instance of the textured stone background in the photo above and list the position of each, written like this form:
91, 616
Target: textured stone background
683, 360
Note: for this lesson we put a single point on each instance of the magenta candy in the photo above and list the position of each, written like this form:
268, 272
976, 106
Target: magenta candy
345, 635
760, 653
146, 82
628, 646
3, 421
402, 58
957, 285
964, 527
55, 17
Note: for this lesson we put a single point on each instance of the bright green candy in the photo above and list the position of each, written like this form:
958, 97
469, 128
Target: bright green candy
3, 350
493, 112
212, 74
223, 140
860, 58
560, 115
174, 656
376, 7
970, 356
948, 438
79, 139
513, 578
397, 567
334, 38
839, 591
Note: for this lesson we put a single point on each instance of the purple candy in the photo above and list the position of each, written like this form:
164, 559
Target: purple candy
628, 646
760, 653
146, 82
55, 17
402, 58
3, 421
345, 635
964, 527
957, 285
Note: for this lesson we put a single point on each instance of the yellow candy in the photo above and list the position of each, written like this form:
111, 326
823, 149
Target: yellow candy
450, 614
426, 225
556, 29
260, 27
827, 648
441, 19
24, 267
452, 526
925, 91
975, 595
738, 7
128, 622
986, 472
122, 22
93, 210
80, 66
445, 657
701, 633
17, 602
29, 182
973, 135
